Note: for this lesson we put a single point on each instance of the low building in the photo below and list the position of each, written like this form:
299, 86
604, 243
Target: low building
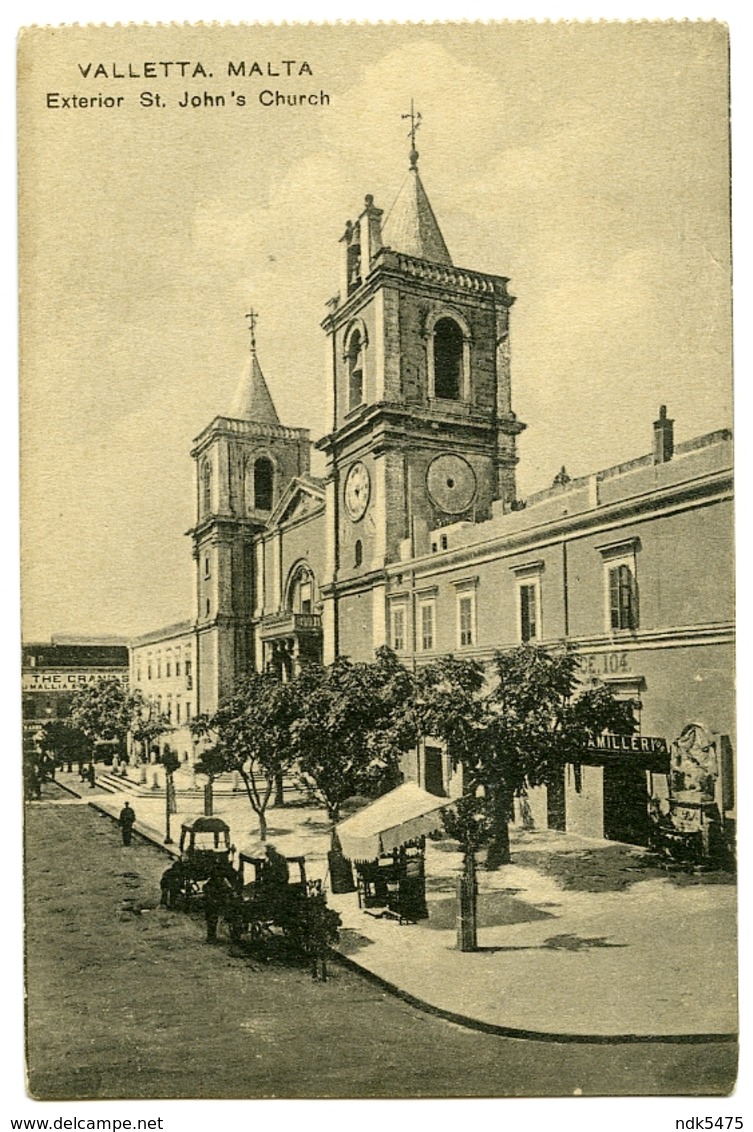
162, 668
53, 671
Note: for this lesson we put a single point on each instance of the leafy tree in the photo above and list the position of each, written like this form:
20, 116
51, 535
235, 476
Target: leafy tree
103, 710
146, 723
64, 742
210, 763
517, 729
353, 722
542, 717
451, 704
251, 733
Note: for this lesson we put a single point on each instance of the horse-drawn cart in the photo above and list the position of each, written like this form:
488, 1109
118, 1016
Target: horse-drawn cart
271, 899
204, 849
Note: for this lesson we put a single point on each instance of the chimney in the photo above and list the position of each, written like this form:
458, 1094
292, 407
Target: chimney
664, 437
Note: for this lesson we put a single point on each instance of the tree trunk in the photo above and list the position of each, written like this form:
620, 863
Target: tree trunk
467, 939
498, 852
279, 791
262, 825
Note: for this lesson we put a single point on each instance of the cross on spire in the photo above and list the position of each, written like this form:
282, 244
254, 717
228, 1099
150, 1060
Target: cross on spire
415, 122
253, 318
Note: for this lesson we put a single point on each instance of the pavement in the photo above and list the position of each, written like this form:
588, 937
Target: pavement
579, 939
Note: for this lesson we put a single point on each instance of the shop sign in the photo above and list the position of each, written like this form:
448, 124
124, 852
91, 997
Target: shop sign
48, 680
604, 663
649, 752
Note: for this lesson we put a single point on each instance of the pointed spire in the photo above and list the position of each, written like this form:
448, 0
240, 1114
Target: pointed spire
411, 226
252, 400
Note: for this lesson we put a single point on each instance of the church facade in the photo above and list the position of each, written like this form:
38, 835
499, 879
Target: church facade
415, 535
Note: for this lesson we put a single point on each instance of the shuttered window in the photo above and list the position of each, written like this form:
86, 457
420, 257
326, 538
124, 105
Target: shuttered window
623, 607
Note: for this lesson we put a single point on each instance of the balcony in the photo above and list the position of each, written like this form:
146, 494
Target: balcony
289, 624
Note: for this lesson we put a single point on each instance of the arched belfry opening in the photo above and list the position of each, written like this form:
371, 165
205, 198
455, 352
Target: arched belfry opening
448, 360
355, 369
264, 478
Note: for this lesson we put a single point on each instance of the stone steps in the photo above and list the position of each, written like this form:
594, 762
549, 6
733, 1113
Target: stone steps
222, 787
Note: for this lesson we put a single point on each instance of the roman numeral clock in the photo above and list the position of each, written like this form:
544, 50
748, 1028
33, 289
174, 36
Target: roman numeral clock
357, 491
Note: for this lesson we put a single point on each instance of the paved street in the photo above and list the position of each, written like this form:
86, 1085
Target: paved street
133, 1004
570, 916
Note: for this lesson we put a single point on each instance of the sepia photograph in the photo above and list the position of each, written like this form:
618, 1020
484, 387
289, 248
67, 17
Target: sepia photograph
377, 561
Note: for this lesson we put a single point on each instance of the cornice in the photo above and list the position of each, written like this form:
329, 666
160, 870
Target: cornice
715, 488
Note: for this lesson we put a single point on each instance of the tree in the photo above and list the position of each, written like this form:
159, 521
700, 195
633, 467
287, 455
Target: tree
541, 717
65, 742
351, 727
210, 763
103, 711
451, 704
146, 722
517, 729
251, 733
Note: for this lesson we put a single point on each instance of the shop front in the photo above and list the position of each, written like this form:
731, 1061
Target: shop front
607, 792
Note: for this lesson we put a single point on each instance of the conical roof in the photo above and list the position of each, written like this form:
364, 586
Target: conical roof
411, 227
252, 400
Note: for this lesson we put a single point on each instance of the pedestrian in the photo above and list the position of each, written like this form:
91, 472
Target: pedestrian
216, 893
125, 821
90, 775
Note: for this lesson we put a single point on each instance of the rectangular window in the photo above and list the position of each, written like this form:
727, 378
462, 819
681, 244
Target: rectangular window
167, 668
207, 571
170, 709
398, 628
529, 621
623, 606
188, 710
177, 668
177, 713
189, 678
149, 671
427, 626
159, 669
466, 632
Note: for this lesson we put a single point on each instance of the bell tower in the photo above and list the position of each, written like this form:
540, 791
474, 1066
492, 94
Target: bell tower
422, 428
243, 462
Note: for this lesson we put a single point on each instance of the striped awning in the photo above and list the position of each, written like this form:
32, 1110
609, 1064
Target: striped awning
403, 815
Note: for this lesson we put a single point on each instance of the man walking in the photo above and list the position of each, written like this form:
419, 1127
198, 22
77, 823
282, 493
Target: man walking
125, 821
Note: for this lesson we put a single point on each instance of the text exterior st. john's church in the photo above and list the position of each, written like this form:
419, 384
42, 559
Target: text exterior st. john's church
415, 536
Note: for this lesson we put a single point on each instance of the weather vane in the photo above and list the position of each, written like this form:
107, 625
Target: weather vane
253, 318
415, 122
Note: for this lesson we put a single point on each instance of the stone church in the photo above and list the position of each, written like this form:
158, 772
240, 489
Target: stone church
415, 536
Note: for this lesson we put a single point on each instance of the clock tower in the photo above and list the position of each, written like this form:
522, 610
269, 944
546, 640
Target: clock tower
422, 429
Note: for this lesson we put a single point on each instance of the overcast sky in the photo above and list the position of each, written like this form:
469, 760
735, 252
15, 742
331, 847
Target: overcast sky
586, 162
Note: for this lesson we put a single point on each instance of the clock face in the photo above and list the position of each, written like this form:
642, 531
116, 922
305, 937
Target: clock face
357, 491
451, 483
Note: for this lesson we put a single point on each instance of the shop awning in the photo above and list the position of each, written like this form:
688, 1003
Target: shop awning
403, 815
